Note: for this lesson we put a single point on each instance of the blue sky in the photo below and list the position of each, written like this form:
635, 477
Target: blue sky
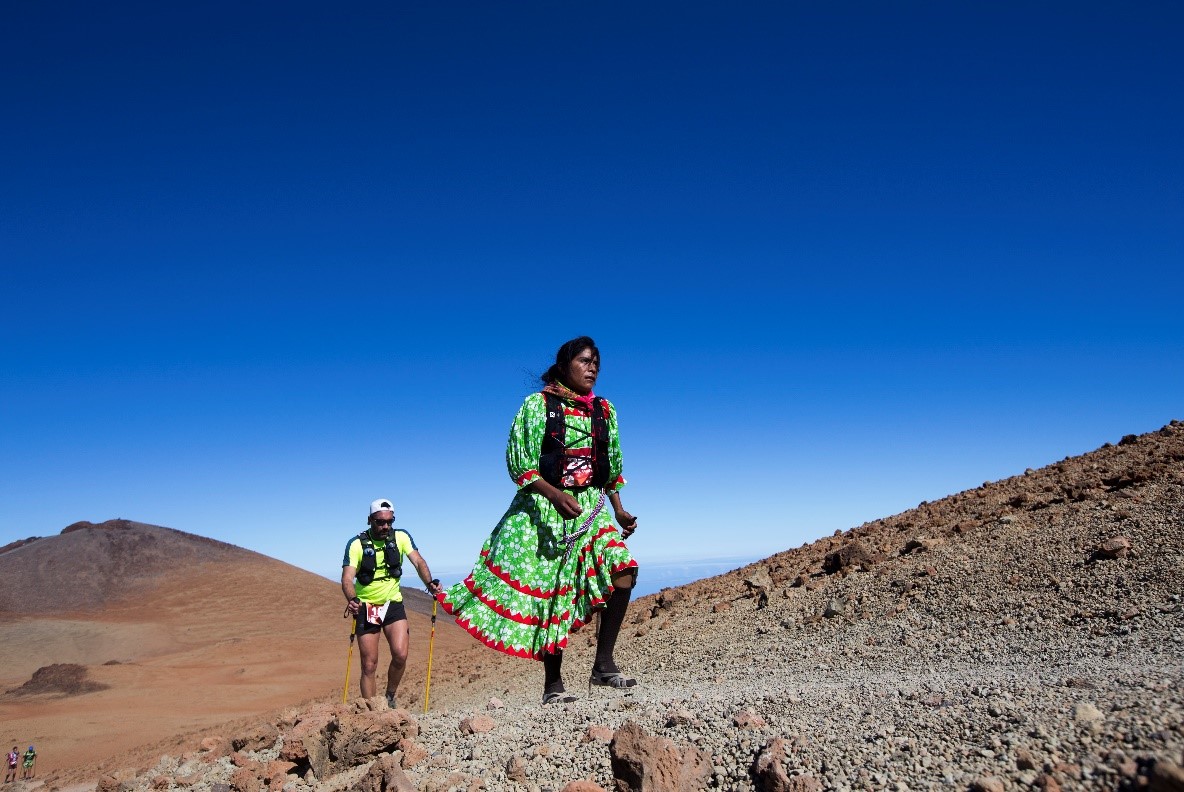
265, 262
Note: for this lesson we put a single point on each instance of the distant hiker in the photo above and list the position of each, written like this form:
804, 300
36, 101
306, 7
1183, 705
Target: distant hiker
13, 758
370, 575
556, 555
27, 766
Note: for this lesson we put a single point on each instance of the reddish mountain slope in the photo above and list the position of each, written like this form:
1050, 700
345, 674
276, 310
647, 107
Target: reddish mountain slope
174, 627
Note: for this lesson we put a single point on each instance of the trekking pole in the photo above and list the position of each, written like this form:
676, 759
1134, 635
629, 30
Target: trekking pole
349, 657
427, 691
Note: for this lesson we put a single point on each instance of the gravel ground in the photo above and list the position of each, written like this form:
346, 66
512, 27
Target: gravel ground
985, 641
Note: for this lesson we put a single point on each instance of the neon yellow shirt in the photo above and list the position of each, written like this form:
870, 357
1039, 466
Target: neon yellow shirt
383, 588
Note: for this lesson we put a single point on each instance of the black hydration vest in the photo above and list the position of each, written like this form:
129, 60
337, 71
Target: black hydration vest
553, 455
369, 563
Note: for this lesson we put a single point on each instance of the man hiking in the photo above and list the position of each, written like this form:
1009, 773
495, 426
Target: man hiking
370, 574
13, 758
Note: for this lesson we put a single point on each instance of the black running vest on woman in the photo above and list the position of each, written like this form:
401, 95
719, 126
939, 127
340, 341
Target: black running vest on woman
555, 452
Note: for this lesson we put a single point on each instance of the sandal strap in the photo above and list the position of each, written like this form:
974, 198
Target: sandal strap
612, 679
558, 697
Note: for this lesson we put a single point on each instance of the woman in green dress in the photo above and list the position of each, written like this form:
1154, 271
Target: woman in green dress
556, 555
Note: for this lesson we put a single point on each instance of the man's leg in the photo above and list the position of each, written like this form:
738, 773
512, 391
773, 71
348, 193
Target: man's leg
368, 651
398, 637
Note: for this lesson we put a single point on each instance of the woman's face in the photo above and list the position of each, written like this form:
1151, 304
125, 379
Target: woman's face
582, 372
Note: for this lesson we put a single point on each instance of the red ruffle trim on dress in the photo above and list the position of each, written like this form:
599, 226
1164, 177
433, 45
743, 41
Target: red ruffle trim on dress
502, 646
506, 613
521, 587
526, 478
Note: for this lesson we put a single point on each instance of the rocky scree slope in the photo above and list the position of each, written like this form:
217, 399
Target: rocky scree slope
1027, 634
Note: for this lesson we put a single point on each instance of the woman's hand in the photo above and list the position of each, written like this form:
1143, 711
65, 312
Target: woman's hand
565, 503
627, 522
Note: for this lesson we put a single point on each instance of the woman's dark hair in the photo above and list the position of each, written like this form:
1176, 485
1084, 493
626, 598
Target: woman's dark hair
566, 354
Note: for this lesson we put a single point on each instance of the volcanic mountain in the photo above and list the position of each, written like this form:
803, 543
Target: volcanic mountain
120, 634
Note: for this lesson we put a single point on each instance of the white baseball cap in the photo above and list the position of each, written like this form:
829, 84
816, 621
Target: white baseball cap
382, 504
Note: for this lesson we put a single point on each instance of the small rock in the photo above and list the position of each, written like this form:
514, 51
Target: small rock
640, 761
216, 746
1088, 715
582, 786
240, 759
748, 719
1127, 768
853, 555
516, 769
244, 780
767, 770
988, 784
1066, 769
1024, 760
1047, 783
385, 775
1166, 777
598, 734
294, 751
262, 736
668, 598
1114, 547
477, 724
277, 769
413, 752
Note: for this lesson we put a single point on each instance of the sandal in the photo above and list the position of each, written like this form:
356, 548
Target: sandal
613, 679
558, 697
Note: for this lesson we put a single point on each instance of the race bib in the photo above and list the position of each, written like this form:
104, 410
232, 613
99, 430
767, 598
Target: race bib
376, 613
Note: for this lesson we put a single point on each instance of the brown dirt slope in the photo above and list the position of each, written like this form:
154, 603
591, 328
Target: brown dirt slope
170, 626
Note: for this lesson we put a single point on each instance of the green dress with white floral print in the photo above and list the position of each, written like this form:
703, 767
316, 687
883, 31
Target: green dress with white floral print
540, 576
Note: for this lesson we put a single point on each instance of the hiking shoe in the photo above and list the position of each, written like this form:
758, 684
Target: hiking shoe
390, 700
